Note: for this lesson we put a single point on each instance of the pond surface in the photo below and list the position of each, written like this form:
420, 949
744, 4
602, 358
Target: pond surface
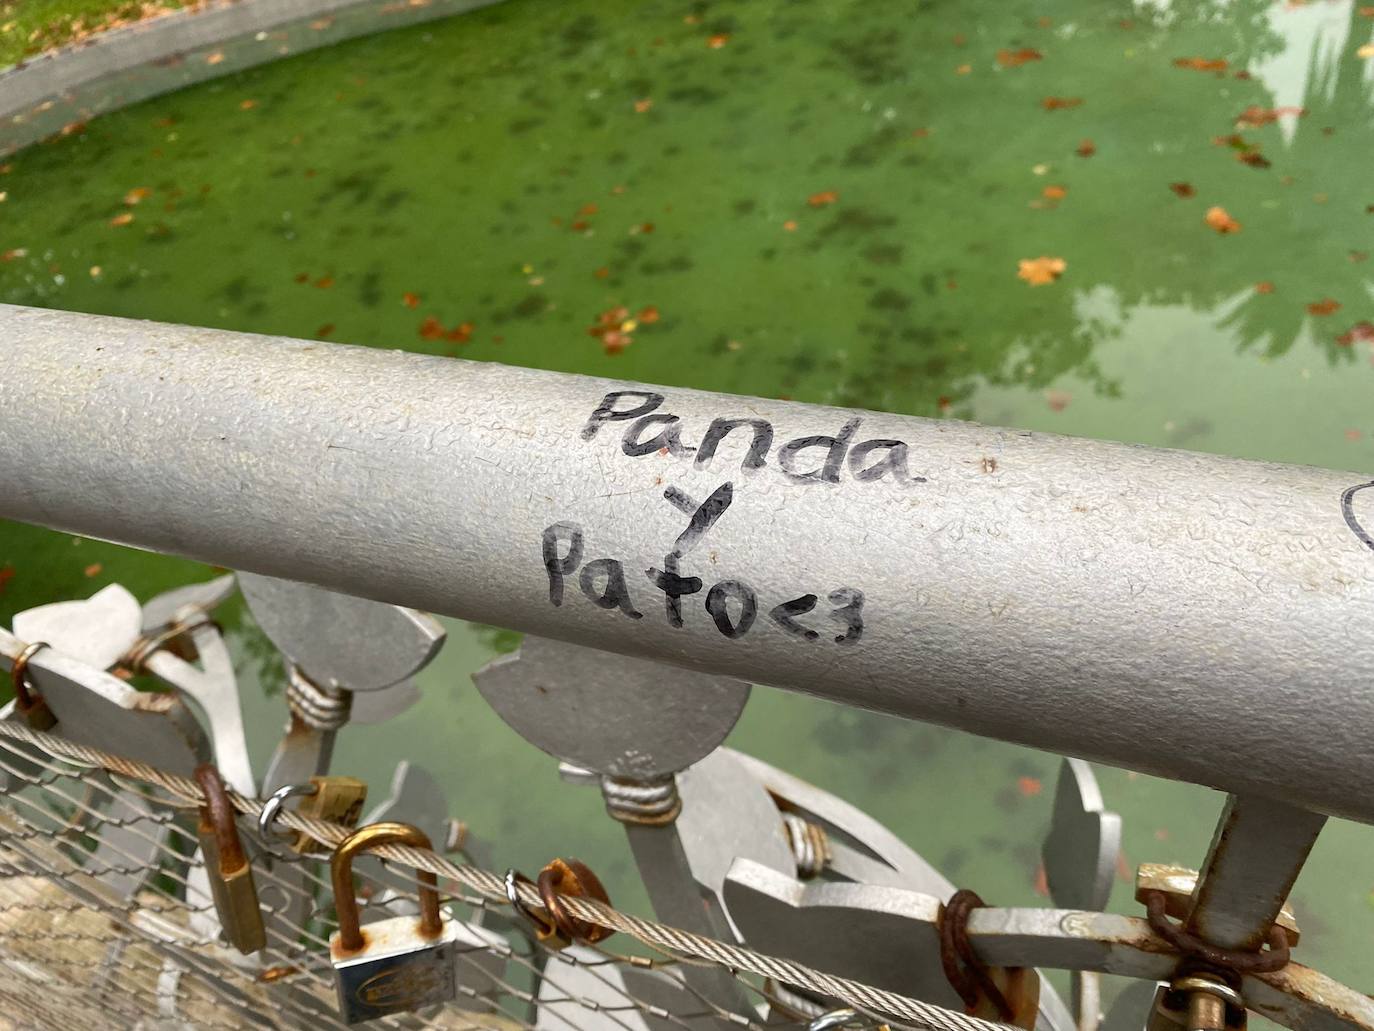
1144, 222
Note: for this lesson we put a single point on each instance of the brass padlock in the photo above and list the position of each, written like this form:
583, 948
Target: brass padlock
395, 965
30, 705
336, 799
230, 874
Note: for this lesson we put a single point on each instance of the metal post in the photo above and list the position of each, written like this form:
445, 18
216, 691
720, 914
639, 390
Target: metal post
1125, 604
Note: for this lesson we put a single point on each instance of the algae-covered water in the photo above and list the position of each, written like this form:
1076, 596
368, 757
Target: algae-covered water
1144, 222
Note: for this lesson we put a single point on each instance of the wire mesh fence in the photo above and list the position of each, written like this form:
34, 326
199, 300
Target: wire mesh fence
107, 920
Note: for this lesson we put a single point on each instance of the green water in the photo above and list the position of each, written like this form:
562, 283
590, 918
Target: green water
829, 204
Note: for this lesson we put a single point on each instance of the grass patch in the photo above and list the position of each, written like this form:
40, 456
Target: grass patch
29, 27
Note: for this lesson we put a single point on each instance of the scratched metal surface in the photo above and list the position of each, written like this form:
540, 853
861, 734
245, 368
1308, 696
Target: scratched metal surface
1046, 590
452, 162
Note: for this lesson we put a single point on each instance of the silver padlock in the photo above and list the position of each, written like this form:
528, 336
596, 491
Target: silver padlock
396, 965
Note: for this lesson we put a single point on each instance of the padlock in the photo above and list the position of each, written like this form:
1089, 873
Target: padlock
397, 965
336, 799
30, 705
227, 866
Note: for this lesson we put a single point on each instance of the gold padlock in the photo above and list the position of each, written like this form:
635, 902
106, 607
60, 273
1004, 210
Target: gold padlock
30, 705
336, 799
231, 875
395, 965
1197, 1002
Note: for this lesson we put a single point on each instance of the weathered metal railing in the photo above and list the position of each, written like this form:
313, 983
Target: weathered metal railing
1187, 615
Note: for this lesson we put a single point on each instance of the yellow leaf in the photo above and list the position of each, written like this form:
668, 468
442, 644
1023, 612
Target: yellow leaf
1041, 271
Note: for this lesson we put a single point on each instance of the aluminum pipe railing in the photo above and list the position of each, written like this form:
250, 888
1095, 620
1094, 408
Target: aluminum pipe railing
1197, 617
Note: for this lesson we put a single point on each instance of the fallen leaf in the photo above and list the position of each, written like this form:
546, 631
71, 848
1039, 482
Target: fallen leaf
215, 58
1219, 220
590, 208
614, 341
1086, 149
603, 272
1264, 287
410, 300
1326, 306
1042, 270
718, 40
1058, 400
790, 225
431, 328
247, 105
1352, 435
324, 282
1358, 256
1365, 52
6, 575
1256, 116
460, 334
93, 569
1201, 64
820, 200
14, 252
963, 69
1183, 189
1016, 58
1361, 332
136, 194
643, 105
1041, 883
302, 277
1060, 103
325, 330
1028, 786
1254, 159
920, 134
648, 315
1055, 192
122, 219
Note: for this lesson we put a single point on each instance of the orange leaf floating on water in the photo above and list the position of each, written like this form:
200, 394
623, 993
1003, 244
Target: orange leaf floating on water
603, 272
643, 105
1326, 306
136, 194
1264, 287
460, 334
718, 40
1041, 271
302, 277
1367, 12
648, 315
1055, 192
325, 330
1254, 159
247, 105
122, 219
6, 575
963, 69
1201, 64
1060, 103
1183, 189
1219, 220
1041, 883
790, 225
1016, 58
614, 341
93, 569
820, 200
1058, 400
215, 58
1028, 786
1358, 256
1086, 149
410, 300
324, 282
14, 252
431, 328
590, 208
1360, 332
1256, 116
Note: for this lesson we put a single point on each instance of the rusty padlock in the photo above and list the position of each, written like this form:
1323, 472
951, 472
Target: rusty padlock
227, 866
396, 965
335, 799
29, 704
1199, 1001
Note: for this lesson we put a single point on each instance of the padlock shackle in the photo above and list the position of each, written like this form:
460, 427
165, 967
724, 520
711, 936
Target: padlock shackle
217, 817
19, 679
365, 839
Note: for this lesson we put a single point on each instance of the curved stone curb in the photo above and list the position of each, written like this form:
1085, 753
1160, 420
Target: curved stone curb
61, 90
